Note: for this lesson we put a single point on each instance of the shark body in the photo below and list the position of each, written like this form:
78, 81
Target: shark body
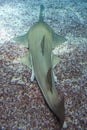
41, 40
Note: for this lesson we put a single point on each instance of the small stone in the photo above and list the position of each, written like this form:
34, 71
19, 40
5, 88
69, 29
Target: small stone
75, 122
14, 79
21, 82
64, 125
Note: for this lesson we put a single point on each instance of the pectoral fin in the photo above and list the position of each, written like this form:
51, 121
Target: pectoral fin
27, 60
58, 40
22, 40
55, 60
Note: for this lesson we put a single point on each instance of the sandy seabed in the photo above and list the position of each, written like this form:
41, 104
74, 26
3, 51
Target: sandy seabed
22, 106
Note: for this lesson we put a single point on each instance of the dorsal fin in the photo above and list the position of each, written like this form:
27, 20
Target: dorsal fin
43, 44
41, 15
49, 78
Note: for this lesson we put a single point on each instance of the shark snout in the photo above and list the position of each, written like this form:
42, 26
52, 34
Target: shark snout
60, 112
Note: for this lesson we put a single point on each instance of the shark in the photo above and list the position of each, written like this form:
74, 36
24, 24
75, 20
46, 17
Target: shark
41, 40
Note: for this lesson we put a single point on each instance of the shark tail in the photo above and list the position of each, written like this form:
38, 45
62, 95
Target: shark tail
41, 15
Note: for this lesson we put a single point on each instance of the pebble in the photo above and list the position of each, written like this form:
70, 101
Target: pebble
64, 125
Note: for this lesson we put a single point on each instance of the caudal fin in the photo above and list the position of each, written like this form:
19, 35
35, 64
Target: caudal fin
41, 15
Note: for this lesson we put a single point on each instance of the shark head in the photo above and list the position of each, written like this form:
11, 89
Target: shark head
60, 112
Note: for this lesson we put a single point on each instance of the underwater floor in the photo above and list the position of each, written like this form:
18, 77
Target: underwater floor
22, 106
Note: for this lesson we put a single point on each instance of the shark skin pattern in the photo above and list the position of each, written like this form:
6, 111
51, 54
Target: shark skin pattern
41, 40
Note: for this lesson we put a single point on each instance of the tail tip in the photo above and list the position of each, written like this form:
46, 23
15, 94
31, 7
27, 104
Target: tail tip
41, 16
41, 7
